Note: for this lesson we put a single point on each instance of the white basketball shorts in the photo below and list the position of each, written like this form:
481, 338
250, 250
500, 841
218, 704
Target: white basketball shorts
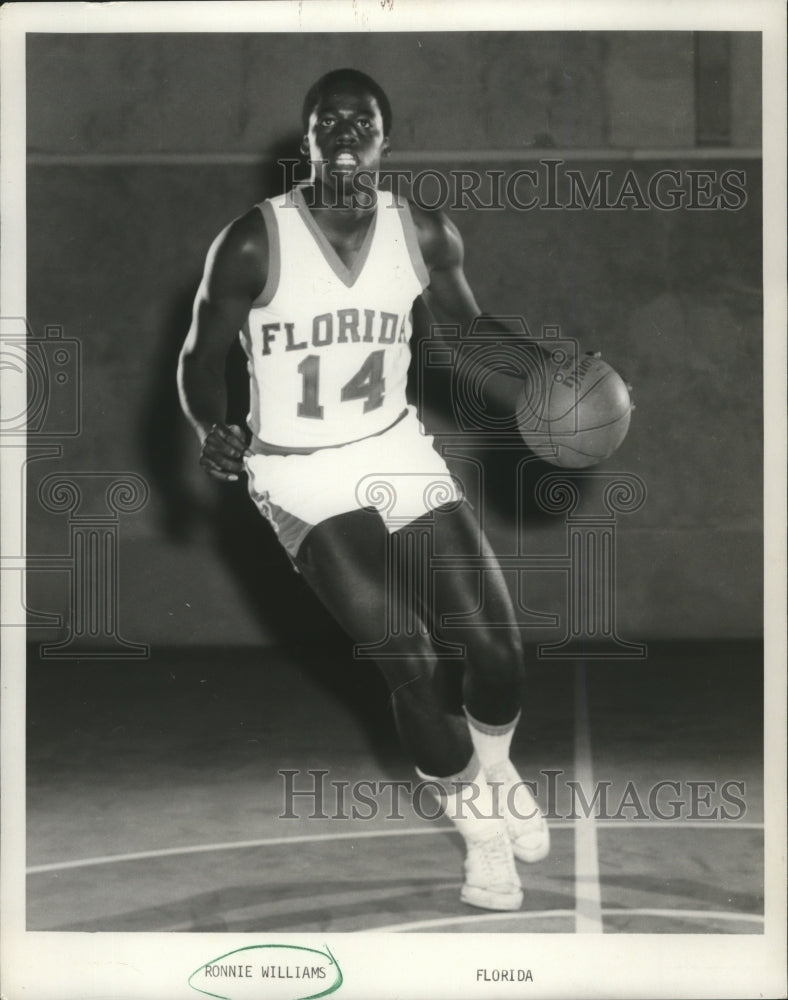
398, 472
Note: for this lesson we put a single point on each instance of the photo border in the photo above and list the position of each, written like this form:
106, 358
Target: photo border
61, 965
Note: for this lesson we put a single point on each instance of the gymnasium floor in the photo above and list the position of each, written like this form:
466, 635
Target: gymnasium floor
153, 797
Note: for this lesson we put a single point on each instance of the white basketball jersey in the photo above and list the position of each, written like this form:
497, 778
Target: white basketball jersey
328, 346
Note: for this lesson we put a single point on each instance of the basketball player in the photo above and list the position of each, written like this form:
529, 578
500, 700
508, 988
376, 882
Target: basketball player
320, 283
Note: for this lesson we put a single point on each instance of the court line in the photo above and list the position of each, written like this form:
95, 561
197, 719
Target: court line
415, 156
239, 845
284, 907
476, 918
588, 891
234, 845
547, 914
689, 824
648, 911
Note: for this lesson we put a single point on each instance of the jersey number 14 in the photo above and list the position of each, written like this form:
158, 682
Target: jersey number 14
368, 384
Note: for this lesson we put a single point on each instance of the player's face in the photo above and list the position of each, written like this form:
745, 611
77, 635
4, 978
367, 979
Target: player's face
345, 135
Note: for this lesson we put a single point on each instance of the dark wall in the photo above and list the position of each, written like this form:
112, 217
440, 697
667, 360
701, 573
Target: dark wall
144, 147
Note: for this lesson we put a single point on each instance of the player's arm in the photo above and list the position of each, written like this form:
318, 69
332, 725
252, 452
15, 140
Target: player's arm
451, 301
235, 272
449, 297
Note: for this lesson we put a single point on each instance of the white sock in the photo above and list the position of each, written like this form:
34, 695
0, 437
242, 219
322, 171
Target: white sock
491, 743
468, 801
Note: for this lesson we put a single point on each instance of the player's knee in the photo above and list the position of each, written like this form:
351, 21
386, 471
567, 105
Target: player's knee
499, 652
412, 690
413, 670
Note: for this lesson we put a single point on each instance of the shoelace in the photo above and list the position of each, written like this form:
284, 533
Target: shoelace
493, 855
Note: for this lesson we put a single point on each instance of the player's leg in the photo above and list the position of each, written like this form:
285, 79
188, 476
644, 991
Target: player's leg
344, 559
493, 678
494, 670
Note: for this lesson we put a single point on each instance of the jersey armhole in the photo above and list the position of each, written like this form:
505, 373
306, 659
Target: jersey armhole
412, 243
274, 255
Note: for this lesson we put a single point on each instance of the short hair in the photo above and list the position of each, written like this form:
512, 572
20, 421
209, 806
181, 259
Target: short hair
341, 77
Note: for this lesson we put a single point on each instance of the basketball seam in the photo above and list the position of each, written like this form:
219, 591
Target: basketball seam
576, 402
586, 454
596, 427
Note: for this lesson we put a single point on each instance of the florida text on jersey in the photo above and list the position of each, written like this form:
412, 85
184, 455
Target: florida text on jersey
328, 346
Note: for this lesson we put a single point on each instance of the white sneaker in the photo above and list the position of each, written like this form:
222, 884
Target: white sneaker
525, 824
491, 880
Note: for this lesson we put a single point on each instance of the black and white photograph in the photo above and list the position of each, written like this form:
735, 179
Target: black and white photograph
393, 519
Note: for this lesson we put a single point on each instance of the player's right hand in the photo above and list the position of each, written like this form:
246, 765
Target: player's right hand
223, 452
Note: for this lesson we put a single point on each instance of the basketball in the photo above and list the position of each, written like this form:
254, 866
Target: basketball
578, 415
